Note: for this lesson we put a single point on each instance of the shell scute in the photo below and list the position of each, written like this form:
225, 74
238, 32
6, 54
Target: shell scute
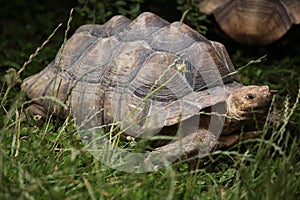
146, 66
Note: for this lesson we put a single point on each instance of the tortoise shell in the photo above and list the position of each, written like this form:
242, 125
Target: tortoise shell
146, 73
254, 22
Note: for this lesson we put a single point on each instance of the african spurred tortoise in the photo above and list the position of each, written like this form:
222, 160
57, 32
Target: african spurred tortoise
147, 77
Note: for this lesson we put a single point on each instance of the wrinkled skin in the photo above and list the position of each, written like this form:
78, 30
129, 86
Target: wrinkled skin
246, 104
243, 106
248, 100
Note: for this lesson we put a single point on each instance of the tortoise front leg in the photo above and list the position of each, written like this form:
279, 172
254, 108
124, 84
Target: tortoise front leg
226, 141
37, 109
201, 142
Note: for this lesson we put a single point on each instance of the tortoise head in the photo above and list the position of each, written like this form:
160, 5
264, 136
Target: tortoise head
248, 100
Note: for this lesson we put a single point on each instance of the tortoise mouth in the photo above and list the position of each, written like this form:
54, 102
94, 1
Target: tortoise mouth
259, 112
259, 109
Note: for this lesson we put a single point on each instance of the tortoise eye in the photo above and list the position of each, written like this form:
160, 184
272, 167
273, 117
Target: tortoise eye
250, 96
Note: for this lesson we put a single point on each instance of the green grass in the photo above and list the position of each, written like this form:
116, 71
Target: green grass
49, 161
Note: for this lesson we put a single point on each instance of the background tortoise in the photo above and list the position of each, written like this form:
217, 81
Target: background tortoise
254, 22
147, 76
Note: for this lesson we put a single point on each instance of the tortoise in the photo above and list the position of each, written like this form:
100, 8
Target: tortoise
253, 22
146, 77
